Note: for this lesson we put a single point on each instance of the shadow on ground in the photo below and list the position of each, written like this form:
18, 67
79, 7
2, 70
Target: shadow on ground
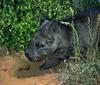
23, 68
17, 70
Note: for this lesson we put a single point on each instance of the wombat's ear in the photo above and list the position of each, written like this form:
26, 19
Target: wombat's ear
42, 19
68, 19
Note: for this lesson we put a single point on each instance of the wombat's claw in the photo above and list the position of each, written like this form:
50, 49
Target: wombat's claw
44, 67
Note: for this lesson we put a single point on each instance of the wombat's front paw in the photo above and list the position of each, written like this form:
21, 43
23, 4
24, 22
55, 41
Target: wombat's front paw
44, 67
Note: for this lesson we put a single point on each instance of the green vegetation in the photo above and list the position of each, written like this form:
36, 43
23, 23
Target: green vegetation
19, 19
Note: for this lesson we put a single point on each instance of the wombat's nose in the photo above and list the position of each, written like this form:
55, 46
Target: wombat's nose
26, 54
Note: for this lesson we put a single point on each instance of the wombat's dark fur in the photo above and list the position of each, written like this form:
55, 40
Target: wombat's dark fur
53, 41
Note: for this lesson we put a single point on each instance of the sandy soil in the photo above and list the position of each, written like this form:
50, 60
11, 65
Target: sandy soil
16, 70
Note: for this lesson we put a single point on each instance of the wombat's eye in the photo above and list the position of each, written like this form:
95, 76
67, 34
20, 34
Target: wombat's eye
38, 45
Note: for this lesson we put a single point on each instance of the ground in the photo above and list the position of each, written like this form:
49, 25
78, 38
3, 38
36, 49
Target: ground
17, 70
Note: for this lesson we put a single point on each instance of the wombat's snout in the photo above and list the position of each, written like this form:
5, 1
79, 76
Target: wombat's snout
27, 55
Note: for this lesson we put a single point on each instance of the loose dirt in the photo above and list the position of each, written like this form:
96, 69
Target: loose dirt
17, 70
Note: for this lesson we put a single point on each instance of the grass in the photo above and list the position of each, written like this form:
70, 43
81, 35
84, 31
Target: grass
78, 72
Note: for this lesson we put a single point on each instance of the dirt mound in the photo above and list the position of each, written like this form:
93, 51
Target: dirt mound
16, 70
